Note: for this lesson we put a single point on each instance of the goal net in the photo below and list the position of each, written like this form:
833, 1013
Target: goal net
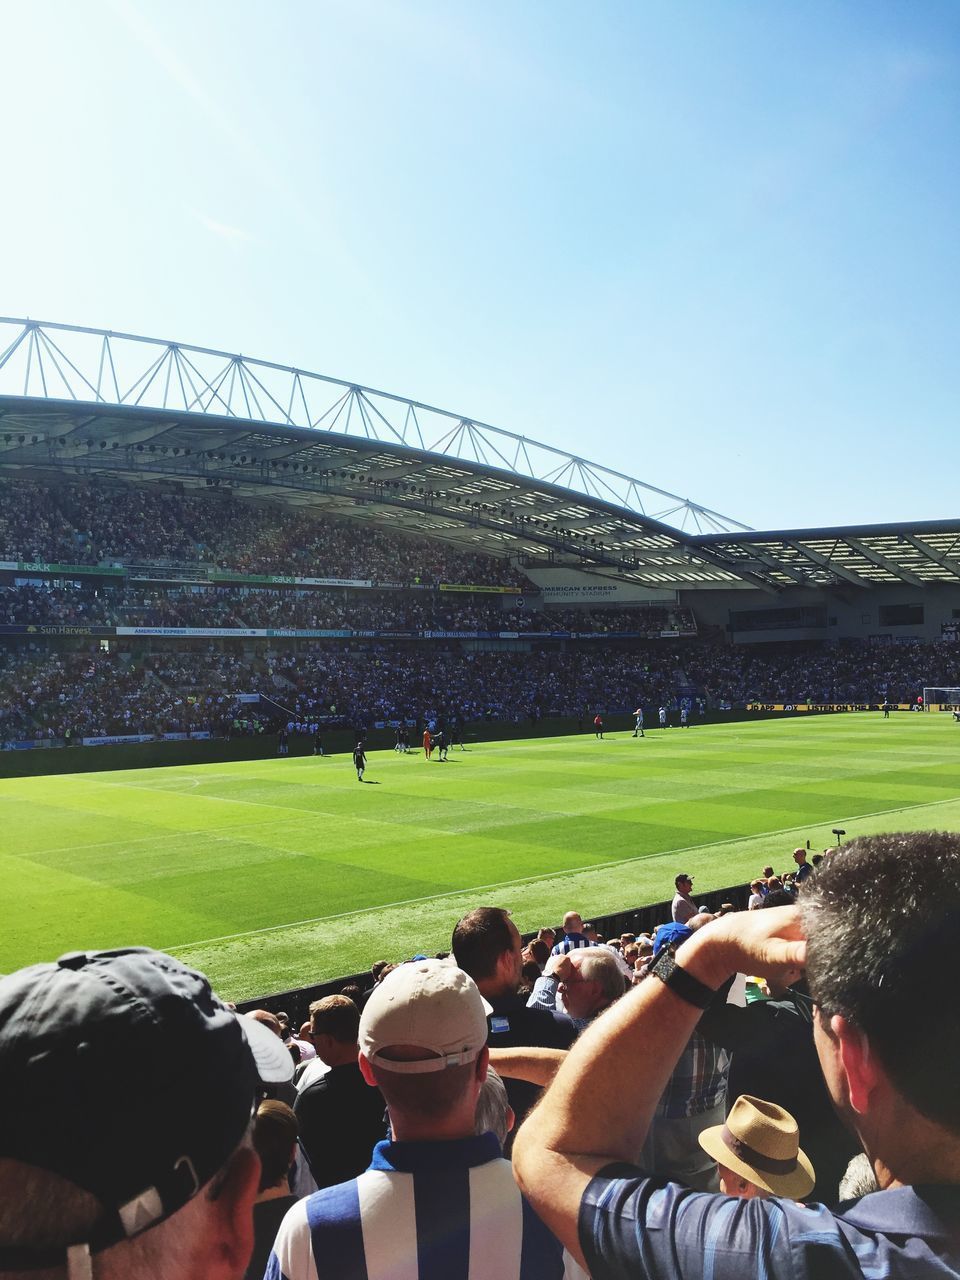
941, 698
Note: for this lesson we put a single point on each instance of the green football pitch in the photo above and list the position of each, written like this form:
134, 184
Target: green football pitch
280, 873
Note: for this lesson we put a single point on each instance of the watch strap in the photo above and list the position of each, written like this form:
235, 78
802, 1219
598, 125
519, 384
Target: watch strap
681, 983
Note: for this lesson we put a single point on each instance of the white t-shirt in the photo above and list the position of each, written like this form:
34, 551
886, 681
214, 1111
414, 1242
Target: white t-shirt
311, 1073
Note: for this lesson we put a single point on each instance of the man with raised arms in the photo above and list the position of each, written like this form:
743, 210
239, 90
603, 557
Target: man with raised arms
883, 970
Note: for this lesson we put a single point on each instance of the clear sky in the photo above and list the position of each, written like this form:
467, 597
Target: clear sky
712, 243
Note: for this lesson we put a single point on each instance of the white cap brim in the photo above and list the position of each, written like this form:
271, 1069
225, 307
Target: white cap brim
273, 1058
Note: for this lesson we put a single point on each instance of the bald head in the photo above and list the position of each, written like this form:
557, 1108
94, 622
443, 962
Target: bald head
268, 1019
699, 920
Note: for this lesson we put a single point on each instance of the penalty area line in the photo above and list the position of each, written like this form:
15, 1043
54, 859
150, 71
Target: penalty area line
525, 880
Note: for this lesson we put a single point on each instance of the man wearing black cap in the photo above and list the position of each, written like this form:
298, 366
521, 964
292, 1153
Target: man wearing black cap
128, 1094
683, 906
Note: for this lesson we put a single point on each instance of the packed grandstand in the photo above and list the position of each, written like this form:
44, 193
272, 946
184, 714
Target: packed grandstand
131, 611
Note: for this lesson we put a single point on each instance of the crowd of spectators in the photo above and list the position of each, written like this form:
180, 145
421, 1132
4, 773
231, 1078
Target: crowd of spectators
728, 1088
96, 524
65, 697
45, 693
77, 604
821, 672
745, 1094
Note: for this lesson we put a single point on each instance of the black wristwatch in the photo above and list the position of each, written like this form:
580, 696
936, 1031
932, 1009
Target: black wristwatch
681, 983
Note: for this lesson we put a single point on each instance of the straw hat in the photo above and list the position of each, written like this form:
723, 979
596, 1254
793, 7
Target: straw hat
760, 1141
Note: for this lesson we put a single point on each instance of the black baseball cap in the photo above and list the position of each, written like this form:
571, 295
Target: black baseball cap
126, 1075
682, 876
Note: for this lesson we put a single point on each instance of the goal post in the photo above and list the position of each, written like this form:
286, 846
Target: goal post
941, 698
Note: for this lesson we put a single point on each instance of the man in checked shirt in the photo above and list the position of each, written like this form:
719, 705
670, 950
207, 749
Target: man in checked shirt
883, 968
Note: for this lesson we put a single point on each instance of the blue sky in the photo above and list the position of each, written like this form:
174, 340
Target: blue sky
710, 243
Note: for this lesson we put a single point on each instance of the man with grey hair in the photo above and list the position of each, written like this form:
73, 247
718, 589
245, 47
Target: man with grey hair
129, 1089
585, 982
438, 1199
883, 966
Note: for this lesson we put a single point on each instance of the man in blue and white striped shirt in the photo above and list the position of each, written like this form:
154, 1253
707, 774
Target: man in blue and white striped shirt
573, 935
438, 1201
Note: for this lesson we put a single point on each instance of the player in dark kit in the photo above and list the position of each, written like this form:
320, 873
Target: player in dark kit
598, 725
359, 760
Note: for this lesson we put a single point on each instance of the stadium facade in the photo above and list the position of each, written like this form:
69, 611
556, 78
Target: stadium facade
108, 408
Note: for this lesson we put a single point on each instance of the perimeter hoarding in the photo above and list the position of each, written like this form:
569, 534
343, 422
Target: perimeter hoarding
829, 706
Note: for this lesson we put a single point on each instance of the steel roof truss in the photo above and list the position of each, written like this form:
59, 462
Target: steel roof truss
946, 561
826, 562
883, 562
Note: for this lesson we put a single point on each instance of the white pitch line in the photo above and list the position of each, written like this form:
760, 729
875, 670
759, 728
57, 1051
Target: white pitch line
569, 871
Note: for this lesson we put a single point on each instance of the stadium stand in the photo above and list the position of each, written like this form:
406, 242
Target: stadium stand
246, 607
135, 610
64, 694
94, 524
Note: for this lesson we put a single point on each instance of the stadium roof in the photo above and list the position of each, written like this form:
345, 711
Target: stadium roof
917, 554
91, 403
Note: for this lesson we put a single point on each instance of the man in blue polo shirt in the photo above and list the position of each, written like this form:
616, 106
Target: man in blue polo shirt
438, 1200
883, 968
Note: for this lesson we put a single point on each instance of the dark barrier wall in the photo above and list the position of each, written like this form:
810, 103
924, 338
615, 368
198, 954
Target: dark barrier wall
296, 1004
153, 755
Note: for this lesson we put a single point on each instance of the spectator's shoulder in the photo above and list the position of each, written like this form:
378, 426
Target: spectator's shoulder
313, 1089
535, 1025
559, 1026
644, 1226
291, 1250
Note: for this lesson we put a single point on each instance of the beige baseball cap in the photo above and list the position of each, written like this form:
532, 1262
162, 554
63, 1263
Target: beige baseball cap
432, 1005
